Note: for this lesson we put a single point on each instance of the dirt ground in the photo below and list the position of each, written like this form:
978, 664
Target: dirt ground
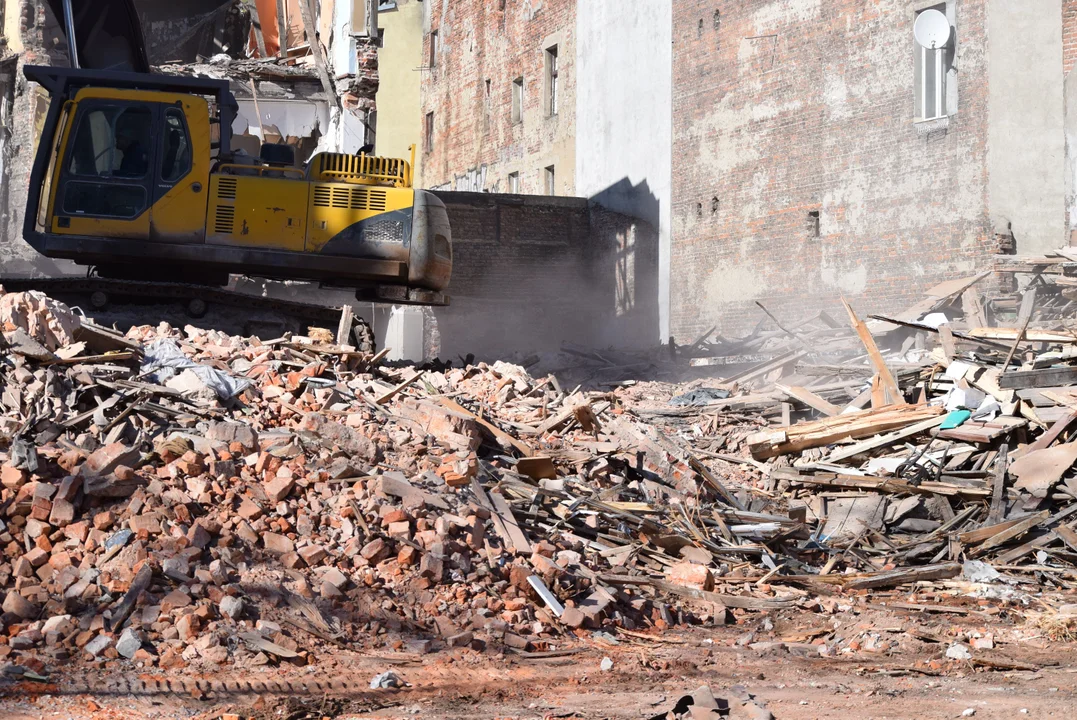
910, 679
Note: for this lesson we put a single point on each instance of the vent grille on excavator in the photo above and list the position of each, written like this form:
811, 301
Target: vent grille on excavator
226, 188
349, 198
225, 220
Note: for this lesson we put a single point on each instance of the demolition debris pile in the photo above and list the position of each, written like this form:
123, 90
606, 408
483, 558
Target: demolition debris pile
176, 497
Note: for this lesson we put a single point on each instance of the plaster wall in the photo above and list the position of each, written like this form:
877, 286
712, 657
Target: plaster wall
624, 100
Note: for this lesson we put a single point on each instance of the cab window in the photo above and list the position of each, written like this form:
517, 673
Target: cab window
177, 151
108, 166
113, 142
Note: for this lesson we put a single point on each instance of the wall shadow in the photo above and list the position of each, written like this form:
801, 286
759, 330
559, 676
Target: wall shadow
531, 273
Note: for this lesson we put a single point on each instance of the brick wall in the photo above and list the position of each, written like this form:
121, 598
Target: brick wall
530, 273
1069, 34
26, 110
782, 109
476, 144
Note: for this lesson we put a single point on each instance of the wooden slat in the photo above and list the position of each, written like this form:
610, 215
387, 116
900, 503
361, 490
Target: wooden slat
848, 426
886, 378
517, 537
1015, 531
1048, 377
1002, 464
810, 399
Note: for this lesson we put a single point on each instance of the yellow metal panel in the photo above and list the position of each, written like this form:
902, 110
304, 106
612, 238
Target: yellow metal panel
334, 207
180, 214
136, 228
63, 133
257, 212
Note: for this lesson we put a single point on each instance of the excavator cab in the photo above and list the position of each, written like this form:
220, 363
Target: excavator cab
136, 175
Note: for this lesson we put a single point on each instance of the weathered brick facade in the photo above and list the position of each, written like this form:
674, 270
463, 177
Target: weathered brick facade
785, 110
1069, 35
476, 144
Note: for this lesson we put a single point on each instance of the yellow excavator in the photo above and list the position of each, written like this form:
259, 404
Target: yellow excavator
136, 176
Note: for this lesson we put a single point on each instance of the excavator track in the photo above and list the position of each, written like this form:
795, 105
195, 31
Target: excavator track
110, 300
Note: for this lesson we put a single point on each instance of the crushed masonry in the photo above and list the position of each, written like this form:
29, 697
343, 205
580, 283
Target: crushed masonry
322, 498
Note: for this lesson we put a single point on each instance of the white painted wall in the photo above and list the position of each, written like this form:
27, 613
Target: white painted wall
624, 123
1026, 133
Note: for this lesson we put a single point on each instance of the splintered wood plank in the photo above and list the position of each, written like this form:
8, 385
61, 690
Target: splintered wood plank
1068, 536
946, 337
894, 578
517, 537
886, 378
975, 432
847, 426
497, 432
938, 295
810, 399
974, 311
1032, 335
1015, 531
999, 483
714, 482
1048, 377
1044, 441
1028, 304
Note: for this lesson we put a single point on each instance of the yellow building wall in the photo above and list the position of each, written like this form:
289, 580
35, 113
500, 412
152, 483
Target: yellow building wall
399, 62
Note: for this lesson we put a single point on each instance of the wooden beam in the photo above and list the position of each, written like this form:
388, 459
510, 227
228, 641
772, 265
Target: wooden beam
282, 33
256, 25
344, 327
398, 389
974, 311
1015, 531
999, 484
848, 426
310, 27
885, 440
902, 576
497, 432
810, 399
1048, 377
886, 379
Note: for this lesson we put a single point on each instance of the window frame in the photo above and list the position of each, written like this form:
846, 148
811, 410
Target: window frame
945, 99
145, 183
163, 149
514, 183
549, 175
553, 70
432, 59
428, 131
517, 100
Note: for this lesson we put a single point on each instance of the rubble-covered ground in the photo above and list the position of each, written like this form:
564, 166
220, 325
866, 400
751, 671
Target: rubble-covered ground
876, 517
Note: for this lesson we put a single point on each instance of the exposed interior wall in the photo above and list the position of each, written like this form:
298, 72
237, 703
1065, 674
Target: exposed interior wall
624, 134
787, 108
476, 144
400, 59
530, 273
1027, 138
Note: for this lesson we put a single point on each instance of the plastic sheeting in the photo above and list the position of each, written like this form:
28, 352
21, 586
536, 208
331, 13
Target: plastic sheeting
164, 360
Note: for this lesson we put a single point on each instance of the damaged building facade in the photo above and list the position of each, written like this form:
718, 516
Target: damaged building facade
557, 98
313, 97
820, 151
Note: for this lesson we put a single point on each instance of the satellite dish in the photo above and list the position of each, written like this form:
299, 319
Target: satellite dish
932, 29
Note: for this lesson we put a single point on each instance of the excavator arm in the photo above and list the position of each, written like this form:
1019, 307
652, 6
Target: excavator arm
107, 34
